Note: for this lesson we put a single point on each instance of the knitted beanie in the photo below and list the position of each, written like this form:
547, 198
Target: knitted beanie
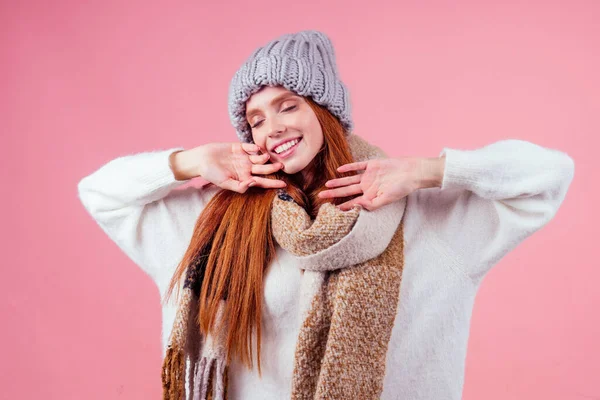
302, 62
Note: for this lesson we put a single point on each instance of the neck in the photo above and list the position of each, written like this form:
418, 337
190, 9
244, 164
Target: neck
309, 172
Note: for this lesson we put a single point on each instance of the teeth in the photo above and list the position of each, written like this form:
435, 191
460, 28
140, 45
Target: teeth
284, 147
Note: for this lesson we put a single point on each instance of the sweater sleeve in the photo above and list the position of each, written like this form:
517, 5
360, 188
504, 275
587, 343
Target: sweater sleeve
132, 198
492, 198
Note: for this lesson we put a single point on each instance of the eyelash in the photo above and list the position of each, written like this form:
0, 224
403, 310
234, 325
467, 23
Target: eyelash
287, 109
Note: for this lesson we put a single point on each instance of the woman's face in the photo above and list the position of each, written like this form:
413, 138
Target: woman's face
279, 117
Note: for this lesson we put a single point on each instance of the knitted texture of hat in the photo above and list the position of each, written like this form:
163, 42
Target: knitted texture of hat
302, 62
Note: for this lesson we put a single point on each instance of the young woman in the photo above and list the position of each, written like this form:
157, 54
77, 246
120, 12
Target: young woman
286, 296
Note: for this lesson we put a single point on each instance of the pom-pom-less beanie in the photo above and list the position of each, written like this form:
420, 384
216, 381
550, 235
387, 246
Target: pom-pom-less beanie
302, 62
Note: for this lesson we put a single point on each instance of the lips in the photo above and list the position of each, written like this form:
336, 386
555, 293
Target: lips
284, 142
288, 152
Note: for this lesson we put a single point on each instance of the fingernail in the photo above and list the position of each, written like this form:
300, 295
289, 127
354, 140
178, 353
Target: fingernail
252, 184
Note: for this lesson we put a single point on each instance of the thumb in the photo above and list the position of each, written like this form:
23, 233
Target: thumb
351, 203
381, 200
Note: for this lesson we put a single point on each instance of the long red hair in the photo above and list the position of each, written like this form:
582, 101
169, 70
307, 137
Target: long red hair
232, 242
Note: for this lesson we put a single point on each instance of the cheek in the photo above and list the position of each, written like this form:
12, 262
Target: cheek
312, 130
258, 140
316, 138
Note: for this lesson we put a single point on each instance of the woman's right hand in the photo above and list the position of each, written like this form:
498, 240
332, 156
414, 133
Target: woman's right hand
228, 165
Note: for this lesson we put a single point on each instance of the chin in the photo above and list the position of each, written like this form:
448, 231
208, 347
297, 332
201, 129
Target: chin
292, 168
290, 171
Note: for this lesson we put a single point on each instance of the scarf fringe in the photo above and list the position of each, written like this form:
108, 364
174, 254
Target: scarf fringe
210, 377
173, 374
210, 381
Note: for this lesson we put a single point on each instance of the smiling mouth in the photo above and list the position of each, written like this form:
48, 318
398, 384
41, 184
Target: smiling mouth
289, 149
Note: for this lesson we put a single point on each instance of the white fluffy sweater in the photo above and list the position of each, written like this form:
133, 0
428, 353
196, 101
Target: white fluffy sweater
491, 199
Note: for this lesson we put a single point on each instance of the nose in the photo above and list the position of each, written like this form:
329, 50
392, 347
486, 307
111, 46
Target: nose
275, 127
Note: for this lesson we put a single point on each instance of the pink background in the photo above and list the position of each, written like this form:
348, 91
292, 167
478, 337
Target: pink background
85, 82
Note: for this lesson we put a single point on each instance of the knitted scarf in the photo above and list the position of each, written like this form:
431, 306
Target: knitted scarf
347, 313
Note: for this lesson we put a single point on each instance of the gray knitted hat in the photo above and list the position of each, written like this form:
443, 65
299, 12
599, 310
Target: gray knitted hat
302, 62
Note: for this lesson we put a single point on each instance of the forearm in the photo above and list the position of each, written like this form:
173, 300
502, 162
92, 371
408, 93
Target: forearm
134, 179
508, 169
431, 172
495, 196
185, 163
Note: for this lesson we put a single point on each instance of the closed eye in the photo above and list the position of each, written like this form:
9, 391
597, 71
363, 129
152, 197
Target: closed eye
285, 110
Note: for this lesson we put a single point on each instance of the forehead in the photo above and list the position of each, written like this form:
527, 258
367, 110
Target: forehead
264, 96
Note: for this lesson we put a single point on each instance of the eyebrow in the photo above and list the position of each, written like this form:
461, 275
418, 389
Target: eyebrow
281, 97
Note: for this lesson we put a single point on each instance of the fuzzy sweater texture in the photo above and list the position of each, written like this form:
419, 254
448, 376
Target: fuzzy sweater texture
491, 199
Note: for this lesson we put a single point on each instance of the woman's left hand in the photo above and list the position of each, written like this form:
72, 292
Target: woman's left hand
384, 180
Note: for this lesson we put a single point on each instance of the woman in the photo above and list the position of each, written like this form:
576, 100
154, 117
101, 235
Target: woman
286, 296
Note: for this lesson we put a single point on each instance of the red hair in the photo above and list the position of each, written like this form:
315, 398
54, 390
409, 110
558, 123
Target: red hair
232, 242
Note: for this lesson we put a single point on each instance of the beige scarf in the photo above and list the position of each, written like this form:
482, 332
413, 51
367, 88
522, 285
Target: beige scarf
348, 309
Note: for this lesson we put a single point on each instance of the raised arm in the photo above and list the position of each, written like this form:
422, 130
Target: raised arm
132, 198
492, 198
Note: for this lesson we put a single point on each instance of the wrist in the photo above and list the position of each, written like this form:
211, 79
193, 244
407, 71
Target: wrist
184, 164
431, 172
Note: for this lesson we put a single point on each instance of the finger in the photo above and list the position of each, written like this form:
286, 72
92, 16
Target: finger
268, 183
351, 203
236, 148
353, 166
367, 204
244, 174
341, 192
250, 148
345, 181
259, 159
241, 162
235, 185
266, 169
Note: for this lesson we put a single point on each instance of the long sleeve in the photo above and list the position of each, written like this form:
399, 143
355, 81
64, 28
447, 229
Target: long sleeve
132, 198
492, 198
